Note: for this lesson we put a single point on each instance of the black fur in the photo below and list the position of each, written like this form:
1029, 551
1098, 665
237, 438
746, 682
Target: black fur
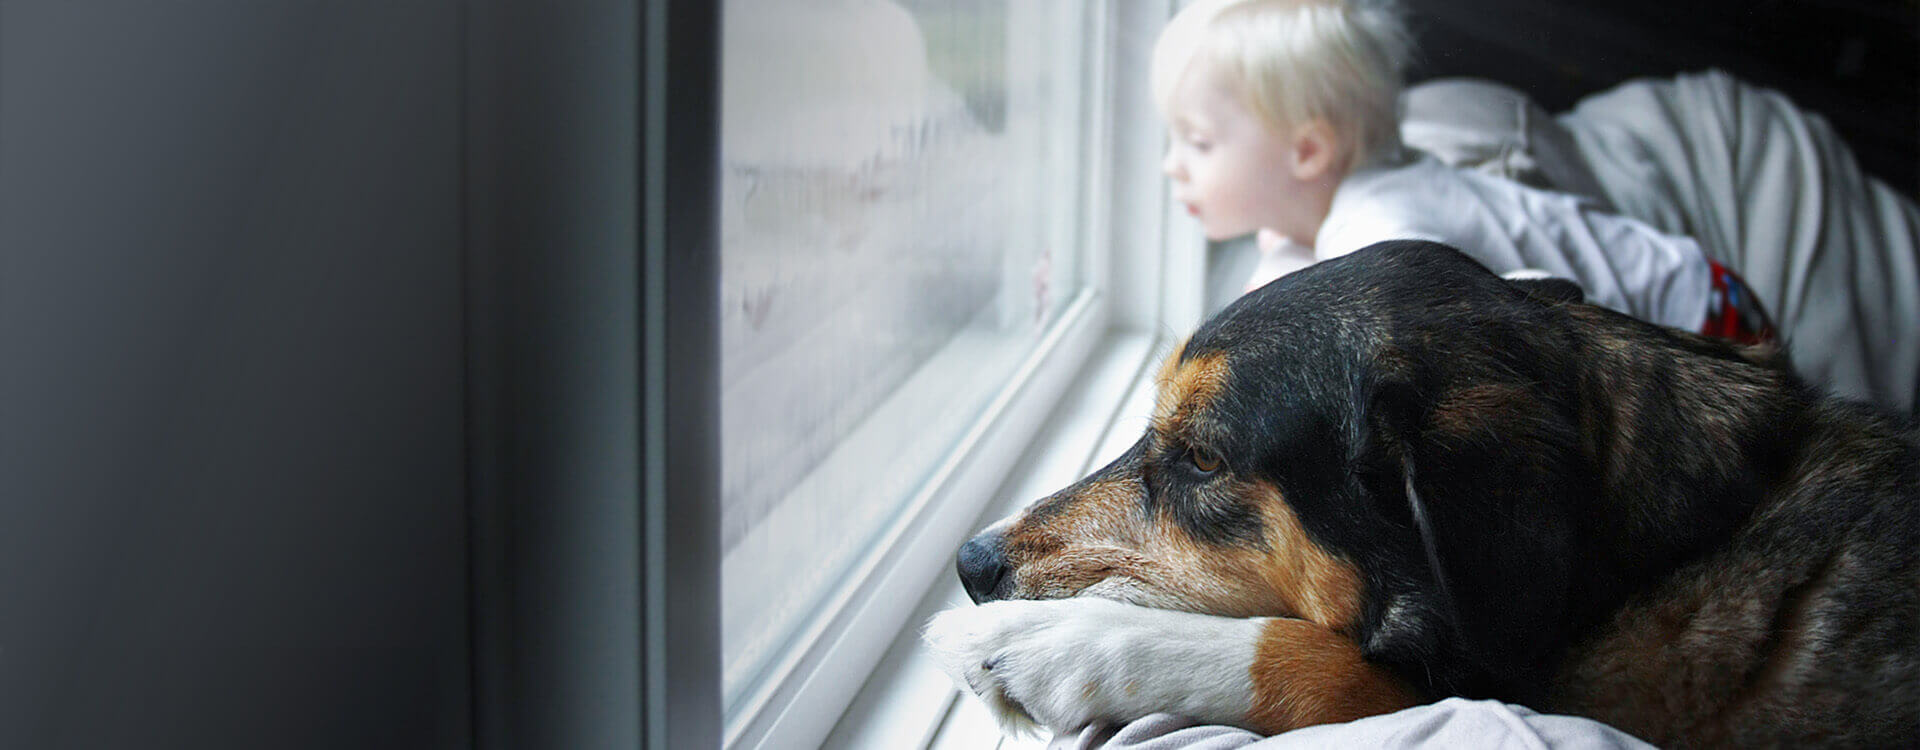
1572, 462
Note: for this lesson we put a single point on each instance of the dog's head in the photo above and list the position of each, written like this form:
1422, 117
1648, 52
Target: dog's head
1388, 444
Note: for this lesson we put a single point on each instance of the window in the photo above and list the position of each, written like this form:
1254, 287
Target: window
931, 214
903, 240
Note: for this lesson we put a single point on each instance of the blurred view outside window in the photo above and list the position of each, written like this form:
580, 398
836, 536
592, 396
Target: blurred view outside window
899, 231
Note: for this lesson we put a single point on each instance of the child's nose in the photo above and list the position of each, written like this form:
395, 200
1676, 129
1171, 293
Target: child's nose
1170, 165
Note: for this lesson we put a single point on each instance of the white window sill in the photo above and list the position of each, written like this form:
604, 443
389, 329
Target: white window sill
907, 702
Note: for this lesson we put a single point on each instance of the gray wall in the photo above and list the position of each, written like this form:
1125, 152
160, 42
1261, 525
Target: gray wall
231, 456
308, 311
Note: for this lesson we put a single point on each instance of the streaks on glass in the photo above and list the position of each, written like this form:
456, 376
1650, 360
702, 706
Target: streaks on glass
881, 207
863, 220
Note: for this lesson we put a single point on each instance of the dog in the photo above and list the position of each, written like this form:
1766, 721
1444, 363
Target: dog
1395, 477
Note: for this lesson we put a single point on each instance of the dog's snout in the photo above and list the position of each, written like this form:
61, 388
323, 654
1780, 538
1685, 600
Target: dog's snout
983, 565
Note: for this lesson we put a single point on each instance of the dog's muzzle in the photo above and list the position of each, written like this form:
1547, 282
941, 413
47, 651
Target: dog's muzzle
983, 566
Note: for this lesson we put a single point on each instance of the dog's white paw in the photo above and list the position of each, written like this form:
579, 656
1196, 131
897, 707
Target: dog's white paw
1063, 664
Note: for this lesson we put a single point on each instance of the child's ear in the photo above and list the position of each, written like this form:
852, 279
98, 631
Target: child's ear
1316, 150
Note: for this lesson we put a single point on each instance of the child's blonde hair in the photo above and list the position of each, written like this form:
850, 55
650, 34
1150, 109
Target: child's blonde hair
1340, 61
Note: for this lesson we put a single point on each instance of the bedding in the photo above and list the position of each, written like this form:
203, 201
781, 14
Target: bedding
1491, 128
1767, 188
1454, 722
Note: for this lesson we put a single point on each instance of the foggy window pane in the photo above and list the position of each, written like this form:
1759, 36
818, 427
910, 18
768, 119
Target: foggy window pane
891, 250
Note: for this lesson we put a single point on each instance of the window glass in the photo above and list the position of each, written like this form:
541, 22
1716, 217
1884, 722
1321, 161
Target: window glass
898, 230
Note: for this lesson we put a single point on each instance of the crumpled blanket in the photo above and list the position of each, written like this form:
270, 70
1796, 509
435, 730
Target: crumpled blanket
1771, 191
1766, 188
1451, 723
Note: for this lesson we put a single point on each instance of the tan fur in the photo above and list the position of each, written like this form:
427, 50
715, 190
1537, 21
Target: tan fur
1311, 582
1093, 539
1104, 538
1304, 674
1186, 389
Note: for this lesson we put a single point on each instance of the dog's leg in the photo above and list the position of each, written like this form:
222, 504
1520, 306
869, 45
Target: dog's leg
1063, 664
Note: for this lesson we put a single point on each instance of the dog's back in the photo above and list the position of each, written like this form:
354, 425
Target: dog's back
1764, 541
1803, 628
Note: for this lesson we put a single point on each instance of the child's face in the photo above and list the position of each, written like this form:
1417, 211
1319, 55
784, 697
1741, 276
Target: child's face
1229, 168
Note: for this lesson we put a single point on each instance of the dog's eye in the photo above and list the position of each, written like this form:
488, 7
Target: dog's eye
1205, 460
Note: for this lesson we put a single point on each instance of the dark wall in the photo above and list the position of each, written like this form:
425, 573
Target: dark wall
553, 181
232, 507
1856, 62
325, 331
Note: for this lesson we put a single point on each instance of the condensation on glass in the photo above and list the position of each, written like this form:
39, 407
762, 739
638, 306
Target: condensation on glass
894, 242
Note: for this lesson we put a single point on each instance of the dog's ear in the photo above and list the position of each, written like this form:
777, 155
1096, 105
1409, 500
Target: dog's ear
1423, 523
1410, 622
1464, 472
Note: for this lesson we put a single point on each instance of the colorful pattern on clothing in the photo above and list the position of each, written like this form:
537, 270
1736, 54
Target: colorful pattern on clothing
1734, 311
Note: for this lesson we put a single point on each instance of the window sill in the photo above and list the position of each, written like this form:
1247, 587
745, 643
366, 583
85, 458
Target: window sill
907, 702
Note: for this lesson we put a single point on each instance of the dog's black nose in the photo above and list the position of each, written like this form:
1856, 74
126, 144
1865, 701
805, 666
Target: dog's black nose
983, 565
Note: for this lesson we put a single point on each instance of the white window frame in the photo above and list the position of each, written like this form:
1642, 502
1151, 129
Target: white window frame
1142, 262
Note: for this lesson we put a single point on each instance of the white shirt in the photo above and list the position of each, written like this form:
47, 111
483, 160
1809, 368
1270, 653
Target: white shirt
1620, 263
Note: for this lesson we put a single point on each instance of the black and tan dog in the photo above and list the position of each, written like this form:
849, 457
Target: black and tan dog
1394, 477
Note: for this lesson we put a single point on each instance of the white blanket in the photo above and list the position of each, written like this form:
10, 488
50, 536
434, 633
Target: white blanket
1451, 723
1773, 193
1768, 189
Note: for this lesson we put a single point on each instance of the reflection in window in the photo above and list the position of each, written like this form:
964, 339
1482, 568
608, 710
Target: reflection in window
894, 243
